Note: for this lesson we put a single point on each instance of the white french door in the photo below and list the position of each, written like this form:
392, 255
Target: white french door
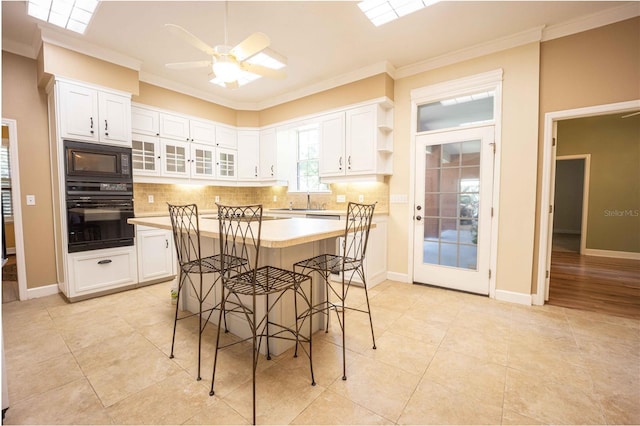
452, 216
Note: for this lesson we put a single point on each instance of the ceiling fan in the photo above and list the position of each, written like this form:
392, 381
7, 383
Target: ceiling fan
228, 63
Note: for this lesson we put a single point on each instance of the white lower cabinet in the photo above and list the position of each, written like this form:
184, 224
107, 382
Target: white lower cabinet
156, 254
94, 271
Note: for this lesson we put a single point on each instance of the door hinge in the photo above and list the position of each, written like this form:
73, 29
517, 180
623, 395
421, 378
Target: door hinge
489, 273
553, 142
550, 208
547, 275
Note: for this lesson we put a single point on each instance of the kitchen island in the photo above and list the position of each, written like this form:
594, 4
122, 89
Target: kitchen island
284, 241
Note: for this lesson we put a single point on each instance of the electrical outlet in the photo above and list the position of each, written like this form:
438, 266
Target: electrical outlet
217, 198
31, 200
275, 198
360, 198
341, 199
151, 200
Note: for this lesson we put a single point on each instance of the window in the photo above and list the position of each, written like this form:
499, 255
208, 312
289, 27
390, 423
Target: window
308, 161
469, 110
5, 175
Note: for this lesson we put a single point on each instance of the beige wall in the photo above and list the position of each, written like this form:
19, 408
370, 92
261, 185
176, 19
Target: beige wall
614, 182
62, 62
518, 173
369, 88
24, 102
595, 67
185, 104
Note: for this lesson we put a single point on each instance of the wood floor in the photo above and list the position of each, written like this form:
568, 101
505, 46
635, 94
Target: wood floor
597, 284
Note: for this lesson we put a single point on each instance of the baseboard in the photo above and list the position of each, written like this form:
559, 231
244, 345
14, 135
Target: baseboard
43, 291
513, 297
612, 253
397, 276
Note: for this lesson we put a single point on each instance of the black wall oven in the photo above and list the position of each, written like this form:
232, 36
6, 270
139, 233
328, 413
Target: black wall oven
99, 196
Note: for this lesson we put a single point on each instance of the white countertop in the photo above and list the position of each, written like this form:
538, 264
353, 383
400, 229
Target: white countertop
275, 233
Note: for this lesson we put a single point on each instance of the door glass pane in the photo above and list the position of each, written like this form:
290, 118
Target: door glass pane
452, 198
468, 110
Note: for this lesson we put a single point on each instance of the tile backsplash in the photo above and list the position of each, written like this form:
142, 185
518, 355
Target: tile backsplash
204, 196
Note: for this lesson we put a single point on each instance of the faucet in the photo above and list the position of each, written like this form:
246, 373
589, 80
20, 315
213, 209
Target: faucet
308, 201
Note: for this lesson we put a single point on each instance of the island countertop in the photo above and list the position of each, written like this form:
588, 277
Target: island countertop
276, 233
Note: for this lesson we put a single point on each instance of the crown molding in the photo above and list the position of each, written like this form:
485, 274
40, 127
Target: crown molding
482, 49
589, 22
62, 40
350, 77
165, 83
342, 79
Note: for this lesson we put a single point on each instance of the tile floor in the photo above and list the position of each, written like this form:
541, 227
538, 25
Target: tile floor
443, 358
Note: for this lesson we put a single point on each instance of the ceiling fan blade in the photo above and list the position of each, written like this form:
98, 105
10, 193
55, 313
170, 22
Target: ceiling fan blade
190, 38
262, 71
251, 45
232, 85
631, 115
188, 65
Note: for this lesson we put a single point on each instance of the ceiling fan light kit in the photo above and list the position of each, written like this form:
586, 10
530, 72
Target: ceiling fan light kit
235, 66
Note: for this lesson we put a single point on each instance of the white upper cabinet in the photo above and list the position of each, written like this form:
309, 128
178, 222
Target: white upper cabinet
145, 121
145, 155
268, 166
357, 143
248, 154
226, 137
174, 127
226, 164
93, 115
175, 158
202, 161
332, 145
202, 132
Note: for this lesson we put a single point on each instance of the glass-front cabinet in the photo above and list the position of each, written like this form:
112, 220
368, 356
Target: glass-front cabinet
145, 155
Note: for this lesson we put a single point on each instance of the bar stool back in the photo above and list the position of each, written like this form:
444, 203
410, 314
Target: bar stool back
186, 236
248, 284
346, 264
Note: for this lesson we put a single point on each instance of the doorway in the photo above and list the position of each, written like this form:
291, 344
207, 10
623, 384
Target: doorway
453, 192
13, 264
571, 201
603, 275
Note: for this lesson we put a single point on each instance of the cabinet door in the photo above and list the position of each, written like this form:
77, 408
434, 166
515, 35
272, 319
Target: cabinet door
145, 155
332, 145
248, 154
156, 254
100, 270
361, 140
226, 163
202, 161
226, 137
174, 127
175, 158
114, 112
202, 132
145, 121
268, 155
78, 112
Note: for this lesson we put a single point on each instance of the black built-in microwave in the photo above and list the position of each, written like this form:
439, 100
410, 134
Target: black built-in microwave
106, 162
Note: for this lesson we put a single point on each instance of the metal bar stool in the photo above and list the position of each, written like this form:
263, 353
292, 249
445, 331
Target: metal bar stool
349, 262
186, 236
244, 284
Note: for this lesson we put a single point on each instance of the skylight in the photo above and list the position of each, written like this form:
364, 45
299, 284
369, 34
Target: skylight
73, 15
380, 12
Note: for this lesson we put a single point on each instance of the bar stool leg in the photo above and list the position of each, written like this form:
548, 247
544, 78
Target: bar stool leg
344, 341
366, 294
175, 318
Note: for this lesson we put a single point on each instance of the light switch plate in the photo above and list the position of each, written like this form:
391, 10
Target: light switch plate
360, 198
151, 200
341, 199
217, 198
31, 200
